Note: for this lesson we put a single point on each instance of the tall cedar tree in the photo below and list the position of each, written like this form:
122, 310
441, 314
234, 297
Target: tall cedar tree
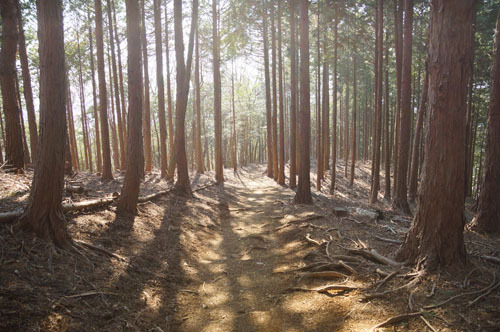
275, 95
169, 97
146, 109
135, 156
115, 88
161, 89
354, 105
199, 153
303, 195
182, 185
219, 167
377, 116
400, 201
436, 235
293, 97
413, 181
398, 44
28, 91
269, 131
43, 215
387, 191
103, 96
94, 98
334, 99
281, 174
14, 151
488, 216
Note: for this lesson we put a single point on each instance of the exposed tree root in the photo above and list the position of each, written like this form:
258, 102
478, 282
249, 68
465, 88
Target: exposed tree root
323, 289
397, 319
101, 250
375, 256
323, 274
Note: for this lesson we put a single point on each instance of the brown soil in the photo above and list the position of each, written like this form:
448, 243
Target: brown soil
227, 260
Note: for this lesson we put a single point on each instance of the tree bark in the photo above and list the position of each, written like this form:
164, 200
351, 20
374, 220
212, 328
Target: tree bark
219, 167
387, 191
293, 97
334, 99
303, 195
94, 98
412, 194
114, 81
14, 152
269, 130
107, 174
400, 201
182, 185
200, 168
436, 235
354, 146
488, 213
398, 41
135, 156
28, 92
281, 174
161, 95
146, 109
169, 97
275, 95
43, 215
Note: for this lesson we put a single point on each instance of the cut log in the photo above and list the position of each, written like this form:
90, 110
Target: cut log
340, 212
11, 216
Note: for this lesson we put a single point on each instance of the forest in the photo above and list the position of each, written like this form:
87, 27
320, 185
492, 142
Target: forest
258, 165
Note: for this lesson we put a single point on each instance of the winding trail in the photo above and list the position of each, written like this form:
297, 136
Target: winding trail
241, 263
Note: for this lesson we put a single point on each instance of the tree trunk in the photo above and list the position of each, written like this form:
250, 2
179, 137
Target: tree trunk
14, 152
436, 235
269, 131
26, 149
135, 157
28, 92
293, 97
354, 146
303, 195
83, 110
319, 136
398, 44
281, 174
488, 214
400, 201
169, 97
200, 168
43, 215
418, 130
219, 167
71, 126
182, 185
120, 75
334, 99
275, 96
387, 191
377, 116
146, 109
107, 174
116, 89
94, 98
161, 95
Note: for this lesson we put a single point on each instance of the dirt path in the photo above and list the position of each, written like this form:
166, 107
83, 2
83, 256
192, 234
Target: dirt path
241, 264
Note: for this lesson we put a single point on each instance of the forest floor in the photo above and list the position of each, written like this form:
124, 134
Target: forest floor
237, 257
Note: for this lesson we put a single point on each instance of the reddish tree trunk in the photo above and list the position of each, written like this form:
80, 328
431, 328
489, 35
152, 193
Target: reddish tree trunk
269, 130
400, 201
14, 152
107, 174
303, 195
281, 174
135, 157
436, 235
219, 166
44, 215
293, 97
334, 94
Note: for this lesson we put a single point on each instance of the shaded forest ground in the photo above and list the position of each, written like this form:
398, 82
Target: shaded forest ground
238, 257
